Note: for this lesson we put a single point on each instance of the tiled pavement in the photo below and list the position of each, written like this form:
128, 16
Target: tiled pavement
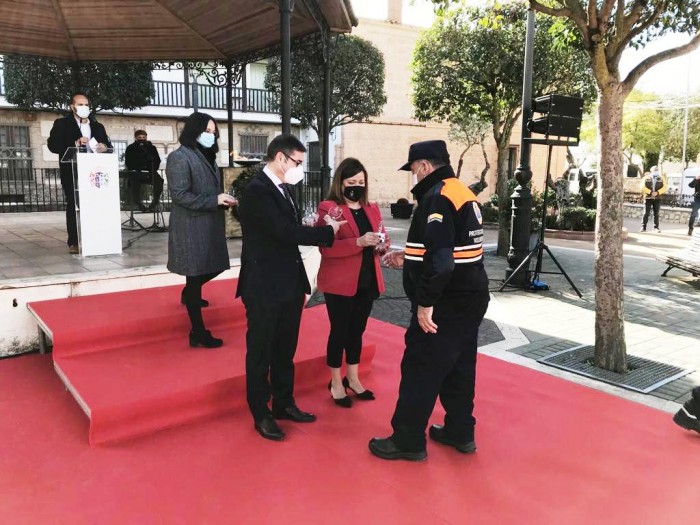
662, 314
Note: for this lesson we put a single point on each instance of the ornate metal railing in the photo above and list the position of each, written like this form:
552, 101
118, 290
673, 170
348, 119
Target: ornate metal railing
311, 192
673, 200
29, 190
179, 94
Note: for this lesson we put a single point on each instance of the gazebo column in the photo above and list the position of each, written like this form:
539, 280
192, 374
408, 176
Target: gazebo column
286, 8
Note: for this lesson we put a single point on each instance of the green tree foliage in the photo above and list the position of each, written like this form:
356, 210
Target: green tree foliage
605, 29
357, 89
673, 144
644, 130
470, 63
44, 83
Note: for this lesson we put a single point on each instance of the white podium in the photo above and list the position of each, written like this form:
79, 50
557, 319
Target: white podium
97, 207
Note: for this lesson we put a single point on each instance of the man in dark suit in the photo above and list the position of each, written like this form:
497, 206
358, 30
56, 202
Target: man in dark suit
273, 283
142, 156
75, 131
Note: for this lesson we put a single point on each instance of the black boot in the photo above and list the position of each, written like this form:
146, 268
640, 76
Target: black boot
204, 339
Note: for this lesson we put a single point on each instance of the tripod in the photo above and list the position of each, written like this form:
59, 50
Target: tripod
541, 247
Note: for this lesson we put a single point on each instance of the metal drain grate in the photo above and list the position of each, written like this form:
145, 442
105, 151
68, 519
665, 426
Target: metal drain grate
643, 375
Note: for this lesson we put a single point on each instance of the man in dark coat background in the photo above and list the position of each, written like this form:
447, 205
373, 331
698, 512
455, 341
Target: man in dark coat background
141, 155
273, 283
75, 131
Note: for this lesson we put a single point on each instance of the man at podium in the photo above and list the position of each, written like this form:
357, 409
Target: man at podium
78, 129
142, 156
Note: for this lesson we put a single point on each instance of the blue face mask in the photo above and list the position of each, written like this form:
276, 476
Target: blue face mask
207, 140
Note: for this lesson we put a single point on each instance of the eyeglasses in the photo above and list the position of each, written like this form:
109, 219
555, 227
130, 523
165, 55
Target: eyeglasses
295, 161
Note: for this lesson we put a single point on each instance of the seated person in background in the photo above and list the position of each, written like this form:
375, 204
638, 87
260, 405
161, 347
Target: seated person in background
143, 156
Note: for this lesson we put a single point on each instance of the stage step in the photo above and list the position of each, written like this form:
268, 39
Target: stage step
128, 363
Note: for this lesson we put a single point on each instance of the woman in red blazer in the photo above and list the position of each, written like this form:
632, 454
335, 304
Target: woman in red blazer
350, 275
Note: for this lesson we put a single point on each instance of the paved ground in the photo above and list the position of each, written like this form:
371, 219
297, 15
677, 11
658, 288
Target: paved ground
662, 314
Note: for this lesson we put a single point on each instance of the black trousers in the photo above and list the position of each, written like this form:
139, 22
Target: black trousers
71, 221
192, 294
348, 317
271, 342
157, 182
441, 364
651, 204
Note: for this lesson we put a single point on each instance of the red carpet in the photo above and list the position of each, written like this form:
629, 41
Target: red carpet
550, 452
126, 357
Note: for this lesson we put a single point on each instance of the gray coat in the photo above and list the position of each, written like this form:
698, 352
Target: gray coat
197, 231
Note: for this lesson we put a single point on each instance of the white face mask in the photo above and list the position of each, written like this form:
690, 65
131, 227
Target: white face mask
414, 178
206, 139
82, 111
294, 175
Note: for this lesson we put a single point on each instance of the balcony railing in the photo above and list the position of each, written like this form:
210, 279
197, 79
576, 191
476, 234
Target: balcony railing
180, 94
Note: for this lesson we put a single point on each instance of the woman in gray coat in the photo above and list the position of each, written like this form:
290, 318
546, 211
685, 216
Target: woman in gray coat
197, 235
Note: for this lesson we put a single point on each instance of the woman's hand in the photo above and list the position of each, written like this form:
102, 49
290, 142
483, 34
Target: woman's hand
224, 199
368, 239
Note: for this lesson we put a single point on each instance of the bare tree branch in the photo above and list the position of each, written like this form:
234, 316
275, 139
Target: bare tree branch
646, 64
604, 16
629, 32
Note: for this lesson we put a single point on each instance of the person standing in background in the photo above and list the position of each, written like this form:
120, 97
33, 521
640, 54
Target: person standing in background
75, 130
197, 233
653, 186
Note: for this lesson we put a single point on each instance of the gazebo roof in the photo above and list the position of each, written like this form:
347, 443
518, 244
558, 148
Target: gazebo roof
156, 29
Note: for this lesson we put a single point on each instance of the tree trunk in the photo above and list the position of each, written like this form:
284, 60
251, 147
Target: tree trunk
610, 348
461, 162
504, 212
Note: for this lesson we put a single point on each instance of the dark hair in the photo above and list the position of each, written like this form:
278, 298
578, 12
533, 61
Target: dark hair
346, 169
286, 143
78, 94
195, 125
140, 132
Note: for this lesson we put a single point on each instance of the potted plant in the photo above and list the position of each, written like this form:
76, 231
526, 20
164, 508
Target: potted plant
401, 209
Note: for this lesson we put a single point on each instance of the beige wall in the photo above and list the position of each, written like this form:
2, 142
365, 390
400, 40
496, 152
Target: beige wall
162, 131
383, 144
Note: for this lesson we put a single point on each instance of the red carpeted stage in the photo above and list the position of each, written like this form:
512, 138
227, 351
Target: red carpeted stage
550, 451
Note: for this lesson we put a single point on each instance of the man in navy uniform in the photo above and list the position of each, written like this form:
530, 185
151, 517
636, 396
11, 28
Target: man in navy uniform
445, 280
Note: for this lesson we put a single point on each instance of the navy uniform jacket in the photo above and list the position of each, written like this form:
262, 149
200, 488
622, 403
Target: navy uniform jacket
443, 264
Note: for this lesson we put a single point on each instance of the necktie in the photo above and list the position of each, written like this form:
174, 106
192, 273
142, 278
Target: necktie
288, 196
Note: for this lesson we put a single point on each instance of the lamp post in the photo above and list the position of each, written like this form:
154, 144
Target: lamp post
522, 197
286, 7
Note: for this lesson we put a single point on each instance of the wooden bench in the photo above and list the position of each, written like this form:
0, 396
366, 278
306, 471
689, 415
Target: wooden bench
687, 259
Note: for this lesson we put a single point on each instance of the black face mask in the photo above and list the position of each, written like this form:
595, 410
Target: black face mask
354, 193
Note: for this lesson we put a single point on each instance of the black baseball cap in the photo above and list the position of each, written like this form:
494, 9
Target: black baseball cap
428, 149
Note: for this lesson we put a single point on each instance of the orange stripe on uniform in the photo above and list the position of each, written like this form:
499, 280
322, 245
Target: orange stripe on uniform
457, 193
415, 251
469, 255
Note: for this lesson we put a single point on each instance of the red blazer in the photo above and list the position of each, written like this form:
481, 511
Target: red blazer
341, 262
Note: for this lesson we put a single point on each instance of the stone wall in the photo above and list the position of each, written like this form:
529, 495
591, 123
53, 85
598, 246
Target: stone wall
162, 131
666, 214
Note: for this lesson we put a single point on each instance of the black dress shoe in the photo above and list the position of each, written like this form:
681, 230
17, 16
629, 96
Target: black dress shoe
367, 395
204, 340
344, 402
269, 429
293, 414
385, 448
203, 302
437, 433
